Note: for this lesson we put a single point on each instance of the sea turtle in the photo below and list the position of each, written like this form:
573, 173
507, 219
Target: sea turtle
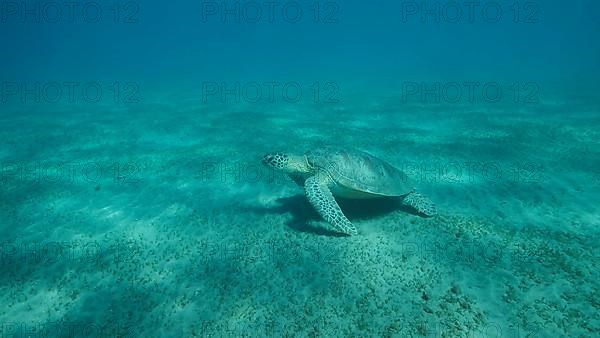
346, 173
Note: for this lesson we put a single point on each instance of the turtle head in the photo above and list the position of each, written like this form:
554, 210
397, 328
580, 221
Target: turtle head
286, 162
277, 161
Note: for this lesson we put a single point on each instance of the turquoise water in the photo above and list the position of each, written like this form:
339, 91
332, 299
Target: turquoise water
134, 202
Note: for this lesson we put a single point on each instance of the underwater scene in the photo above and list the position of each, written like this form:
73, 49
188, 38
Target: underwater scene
300, 168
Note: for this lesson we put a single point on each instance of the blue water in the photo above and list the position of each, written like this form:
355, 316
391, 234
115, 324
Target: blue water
134, 202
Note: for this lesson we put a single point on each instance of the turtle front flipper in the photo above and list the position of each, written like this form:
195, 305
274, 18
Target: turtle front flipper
420, 203
319, 195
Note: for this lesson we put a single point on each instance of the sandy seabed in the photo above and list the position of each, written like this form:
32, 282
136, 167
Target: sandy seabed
157, 220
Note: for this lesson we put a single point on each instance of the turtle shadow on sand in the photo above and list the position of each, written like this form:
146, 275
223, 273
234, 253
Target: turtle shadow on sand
306, 219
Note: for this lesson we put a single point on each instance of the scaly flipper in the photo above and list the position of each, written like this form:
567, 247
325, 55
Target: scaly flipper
322, 200
420, 203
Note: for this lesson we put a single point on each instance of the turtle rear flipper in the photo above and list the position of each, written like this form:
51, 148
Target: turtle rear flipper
420, 203
322, 200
